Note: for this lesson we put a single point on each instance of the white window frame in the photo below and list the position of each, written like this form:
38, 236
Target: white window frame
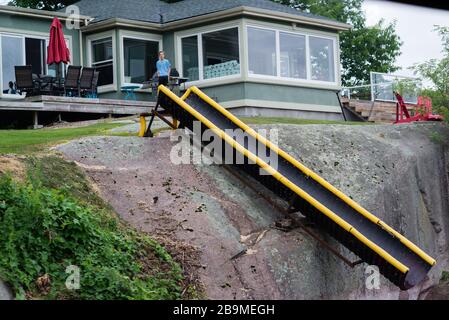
179, 63
91, 38
137, 36
27, 34
307, 36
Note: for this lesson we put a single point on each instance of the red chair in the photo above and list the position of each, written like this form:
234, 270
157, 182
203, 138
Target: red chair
423, 111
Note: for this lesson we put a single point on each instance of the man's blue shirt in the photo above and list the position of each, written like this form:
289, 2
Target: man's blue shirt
163, 66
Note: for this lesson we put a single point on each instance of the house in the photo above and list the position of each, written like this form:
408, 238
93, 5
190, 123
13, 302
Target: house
255, 57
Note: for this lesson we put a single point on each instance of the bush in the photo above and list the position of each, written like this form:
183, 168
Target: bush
445, 276
43, 231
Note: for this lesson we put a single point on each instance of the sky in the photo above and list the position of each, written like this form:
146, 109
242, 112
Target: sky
414, 26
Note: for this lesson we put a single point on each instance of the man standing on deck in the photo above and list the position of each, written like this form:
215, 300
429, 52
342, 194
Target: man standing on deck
163, 67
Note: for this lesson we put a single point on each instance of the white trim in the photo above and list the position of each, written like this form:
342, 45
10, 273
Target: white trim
198, 32
138, 36
258, 13
294, 82
98, 36
81, 47
278, 55
243, 51
28, 32
271, 80
308, 64
339, 65
279, 105
237, 12
297, 31
286, 27
200, 59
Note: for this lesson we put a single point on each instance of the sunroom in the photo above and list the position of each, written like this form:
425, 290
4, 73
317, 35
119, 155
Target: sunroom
263, 68
246, 50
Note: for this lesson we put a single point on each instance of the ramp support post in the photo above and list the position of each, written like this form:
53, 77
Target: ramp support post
143, 125
146, 132
36, 120
289, 213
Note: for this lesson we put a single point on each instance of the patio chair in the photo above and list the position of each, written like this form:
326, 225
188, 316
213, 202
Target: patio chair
92, 92
25, 81
95, 83
86, 79
71, 83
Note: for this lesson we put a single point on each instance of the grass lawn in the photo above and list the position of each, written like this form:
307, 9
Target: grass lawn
276, 120
27, 141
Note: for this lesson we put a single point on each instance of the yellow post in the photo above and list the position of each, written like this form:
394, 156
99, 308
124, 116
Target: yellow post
175, 123
143, 126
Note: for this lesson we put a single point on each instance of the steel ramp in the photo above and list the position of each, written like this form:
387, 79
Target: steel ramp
376, 243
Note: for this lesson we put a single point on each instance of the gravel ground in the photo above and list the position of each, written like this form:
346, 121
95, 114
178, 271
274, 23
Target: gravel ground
5, 292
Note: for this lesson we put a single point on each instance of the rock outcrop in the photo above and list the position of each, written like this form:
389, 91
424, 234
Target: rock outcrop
399, 173
5, 292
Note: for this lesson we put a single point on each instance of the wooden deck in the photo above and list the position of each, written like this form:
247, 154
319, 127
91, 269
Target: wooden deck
374, 111
82, 105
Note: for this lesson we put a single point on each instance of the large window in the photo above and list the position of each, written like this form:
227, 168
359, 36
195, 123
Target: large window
12, 55
140, 58
103, 60
211, 55
290, 55
221, 53
190, 58
19, 50
293, 55
322, 59
262, 52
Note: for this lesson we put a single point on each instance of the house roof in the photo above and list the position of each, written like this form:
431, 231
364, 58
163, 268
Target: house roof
12, 10
156, 11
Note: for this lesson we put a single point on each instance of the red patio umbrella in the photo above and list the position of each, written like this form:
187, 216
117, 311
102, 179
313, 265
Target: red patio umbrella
57, 48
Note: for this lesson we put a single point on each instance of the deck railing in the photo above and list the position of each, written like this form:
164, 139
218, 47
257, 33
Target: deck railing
382, 90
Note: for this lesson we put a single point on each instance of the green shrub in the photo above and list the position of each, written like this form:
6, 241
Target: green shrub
43, 231
445, 276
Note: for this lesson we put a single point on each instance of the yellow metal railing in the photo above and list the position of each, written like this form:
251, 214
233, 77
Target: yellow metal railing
282, 179
311, 174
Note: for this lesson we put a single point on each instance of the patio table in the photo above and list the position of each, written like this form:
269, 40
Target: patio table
130, 91
54, 84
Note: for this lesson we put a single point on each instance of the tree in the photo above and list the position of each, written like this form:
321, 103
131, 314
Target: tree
363, 49
51, 5
437, 71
